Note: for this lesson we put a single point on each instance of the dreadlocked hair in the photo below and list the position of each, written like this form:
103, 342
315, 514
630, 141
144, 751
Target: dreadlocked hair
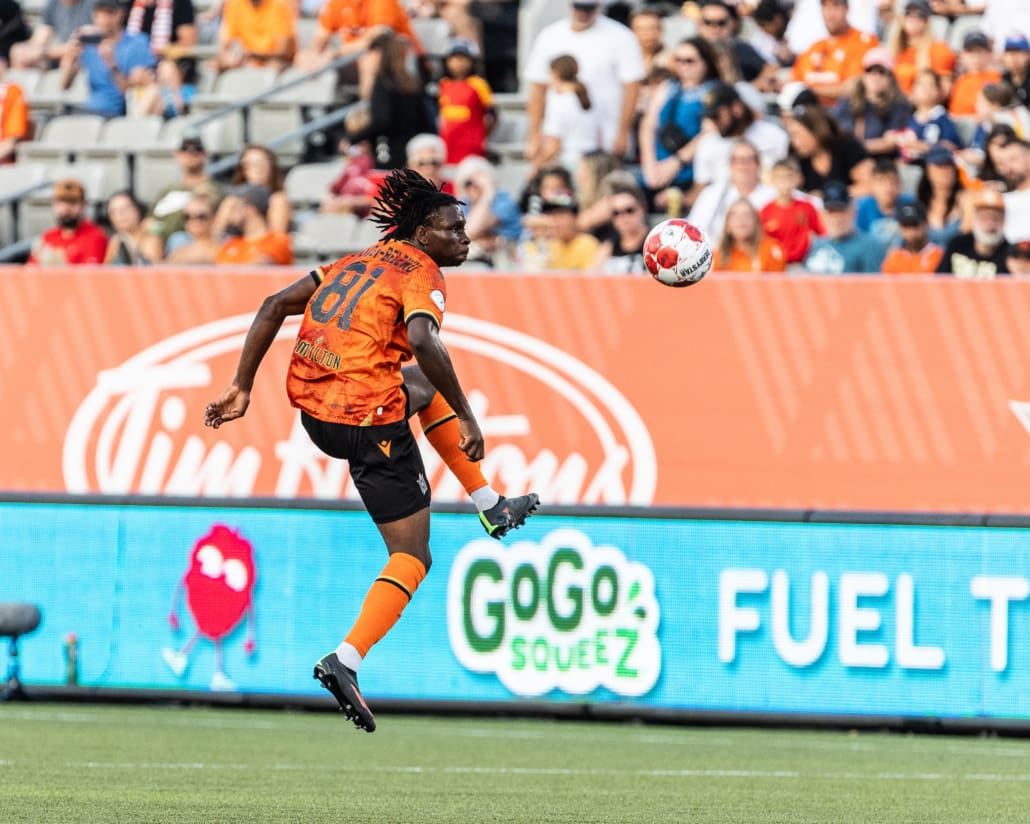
406, 200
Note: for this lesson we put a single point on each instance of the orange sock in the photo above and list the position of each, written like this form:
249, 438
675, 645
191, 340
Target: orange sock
440, 425
386, 600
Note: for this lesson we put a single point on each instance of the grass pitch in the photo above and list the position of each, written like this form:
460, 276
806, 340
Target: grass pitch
97, 763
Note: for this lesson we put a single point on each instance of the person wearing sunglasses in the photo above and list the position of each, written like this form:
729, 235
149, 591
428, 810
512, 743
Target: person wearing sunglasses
718, 24
197, 243
622, 241
166, 214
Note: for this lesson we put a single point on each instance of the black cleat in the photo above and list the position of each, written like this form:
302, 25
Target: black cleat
343, 684
508, 514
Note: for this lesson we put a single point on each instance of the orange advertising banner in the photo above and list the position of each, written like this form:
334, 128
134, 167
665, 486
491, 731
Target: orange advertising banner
904, 394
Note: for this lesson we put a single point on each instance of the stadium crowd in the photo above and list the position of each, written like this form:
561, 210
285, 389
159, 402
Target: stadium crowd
831, 136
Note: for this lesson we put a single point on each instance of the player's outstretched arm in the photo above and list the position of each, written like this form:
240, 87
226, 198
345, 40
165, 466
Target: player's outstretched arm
235, 399
435, 361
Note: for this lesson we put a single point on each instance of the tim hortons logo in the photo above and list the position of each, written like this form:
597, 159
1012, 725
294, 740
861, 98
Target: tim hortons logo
552, 424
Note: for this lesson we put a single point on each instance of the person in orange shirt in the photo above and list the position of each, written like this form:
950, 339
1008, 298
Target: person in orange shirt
914, 48
14, 116
744, 247
357, 23
916, 255
829, 64
364, 315
256, 33
975, 73
244, 214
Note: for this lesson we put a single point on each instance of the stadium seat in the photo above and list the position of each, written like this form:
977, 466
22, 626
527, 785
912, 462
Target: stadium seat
324, 238
966, 127
28, 79
960, 28
508, 139
15, 178
230, 88
120, 139
434, 33
306, 184
365, 233
285, 112
61, 138
49, 98
512, 175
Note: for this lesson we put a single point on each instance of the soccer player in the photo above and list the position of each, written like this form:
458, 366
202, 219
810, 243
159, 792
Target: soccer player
363, 316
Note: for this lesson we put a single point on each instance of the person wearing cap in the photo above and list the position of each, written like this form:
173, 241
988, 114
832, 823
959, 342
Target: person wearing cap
718, 24
941, 193
915, 49
611, 67
258, 33
557, 244
844, 249
734, 118
244, 216
467, 112
875, 111
1018, 259
983, 252
829, 64
166, 213
744, 181
109, 64
974, 73
917, 255
1016, 60
75, 239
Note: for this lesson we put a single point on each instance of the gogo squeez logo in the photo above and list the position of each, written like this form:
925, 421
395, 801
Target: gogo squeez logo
562, 614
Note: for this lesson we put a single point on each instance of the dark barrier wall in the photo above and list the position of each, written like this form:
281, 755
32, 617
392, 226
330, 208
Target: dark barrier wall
706, 615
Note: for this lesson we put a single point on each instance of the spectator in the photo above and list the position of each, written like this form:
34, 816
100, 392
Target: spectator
917, 255
399, 108
829, 64
425, 154
734, 119
49, 41
670, 130
354, 189
983, 252
492, 218
611, 67
593, 169
244, 214
622, 243
167, 211
572, 126
1016, 170
357, 23
467, 113
939, 191
743, 246
930, 122
915, 50
844, 250
1018, 260
1016, 60
555, 242
256, 33
717, 23
825, 151
109, 63
14, 116
197, 243
997, 104
789, 219
13, 28
744, 181
975, 73
544, 185
769, 40
128, 245
875, 111
989, 159
172, 29
808, 25
875, 212
259, 166
74, 239
646, 24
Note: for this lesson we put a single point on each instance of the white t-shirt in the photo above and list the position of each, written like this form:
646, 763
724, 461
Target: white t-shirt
712, 158
1017, 207
608, 55
709, 211
578, 129
807, 27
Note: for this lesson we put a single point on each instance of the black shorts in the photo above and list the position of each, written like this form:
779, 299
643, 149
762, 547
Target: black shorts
385, 463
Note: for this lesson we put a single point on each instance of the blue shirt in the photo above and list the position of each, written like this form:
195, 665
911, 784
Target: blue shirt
684, 107
509, 218
856, 253
938, 128
870, 218
105, 98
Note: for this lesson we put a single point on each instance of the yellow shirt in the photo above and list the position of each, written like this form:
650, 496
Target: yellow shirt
577, 254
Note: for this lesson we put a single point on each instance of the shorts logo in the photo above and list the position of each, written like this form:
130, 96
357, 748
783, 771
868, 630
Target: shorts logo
423, 484
384, 447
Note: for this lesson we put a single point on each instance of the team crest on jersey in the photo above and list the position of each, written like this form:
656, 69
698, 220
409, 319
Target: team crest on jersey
437, 297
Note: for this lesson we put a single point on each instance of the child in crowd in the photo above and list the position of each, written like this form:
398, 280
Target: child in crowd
874, 213
789, 219
930, 123
467, 114
555, 242
572, 125
975, 73
997, 104
744, 247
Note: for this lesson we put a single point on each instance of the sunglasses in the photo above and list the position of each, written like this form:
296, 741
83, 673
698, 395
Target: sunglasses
686, 60
192, 149
629, 210
879, 70
436, 163
715, 23
197, 215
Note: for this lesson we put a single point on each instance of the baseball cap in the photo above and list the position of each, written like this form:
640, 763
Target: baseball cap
69, 190
1017, 42
921, 6
988, 198
586, 5
836, 196
254, 194
563, 201
720, 94
940, 156
463, 47
912, 214
794, 93
191, 140
975, 40
878, 56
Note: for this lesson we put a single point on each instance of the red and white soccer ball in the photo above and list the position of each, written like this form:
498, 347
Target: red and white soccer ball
677, 253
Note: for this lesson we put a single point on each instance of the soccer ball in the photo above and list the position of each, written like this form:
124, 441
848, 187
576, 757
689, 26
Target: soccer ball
677, 253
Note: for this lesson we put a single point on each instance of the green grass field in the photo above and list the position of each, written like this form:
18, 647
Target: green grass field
96, 763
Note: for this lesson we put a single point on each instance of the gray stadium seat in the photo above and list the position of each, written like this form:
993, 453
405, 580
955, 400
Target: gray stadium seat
28, 79
508, 139
323, 238
434, 33
512, 175
15, 178
966, 127
49, 98
284, 112
306, 184
120, 139
61, 138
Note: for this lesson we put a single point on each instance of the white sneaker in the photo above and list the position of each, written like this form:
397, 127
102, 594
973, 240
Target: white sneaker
220, 682
176, 661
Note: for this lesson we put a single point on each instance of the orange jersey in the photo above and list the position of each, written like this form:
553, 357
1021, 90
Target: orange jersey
770, 258
259, 28
834, 59
276, 246
346, 363
903, 262
14, 111
942, 61
966, 89
349, 18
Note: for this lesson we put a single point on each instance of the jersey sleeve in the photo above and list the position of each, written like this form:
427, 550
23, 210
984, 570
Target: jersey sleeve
425, 293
